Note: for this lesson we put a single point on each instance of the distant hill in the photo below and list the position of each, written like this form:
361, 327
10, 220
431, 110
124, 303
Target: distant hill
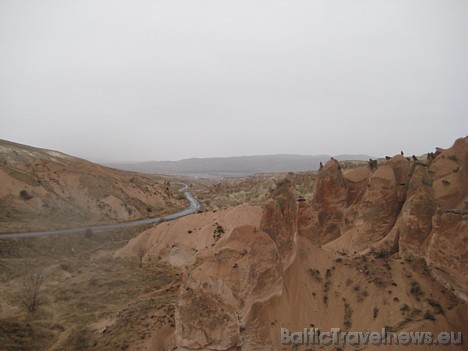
234, 166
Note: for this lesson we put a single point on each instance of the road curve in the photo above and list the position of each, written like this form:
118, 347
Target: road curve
194, 206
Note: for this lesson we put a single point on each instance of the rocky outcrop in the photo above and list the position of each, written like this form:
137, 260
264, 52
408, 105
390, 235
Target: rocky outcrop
219, 292
432, 224
306, 221
212, 310
232, 297
280, 218
229, 264
328, 202
446, 252
418, 209
378, 208
362, 204
351, 256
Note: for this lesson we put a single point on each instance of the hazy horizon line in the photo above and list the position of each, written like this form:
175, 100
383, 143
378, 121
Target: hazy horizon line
110, 162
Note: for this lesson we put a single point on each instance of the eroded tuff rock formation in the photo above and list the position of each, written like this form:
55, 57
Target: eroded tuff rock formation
418, 209
280, 218
356, 256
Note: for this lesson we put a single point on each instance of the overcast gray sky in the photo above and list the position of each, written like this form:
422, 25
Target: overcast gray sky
157, 80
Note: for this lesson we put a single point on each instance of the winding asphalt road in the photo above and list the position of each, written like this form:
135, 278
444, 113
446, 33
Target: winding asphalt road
194, 206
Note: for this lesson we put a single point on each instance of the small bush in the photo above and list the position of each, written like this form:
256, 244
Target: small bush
404, 308
315, 274
375, 312
428, 315
381, 254
377, 281
436, 306
452, 157
348, 316
30, 293
181, 196
416, 290
218, 232
25, 195
326, 286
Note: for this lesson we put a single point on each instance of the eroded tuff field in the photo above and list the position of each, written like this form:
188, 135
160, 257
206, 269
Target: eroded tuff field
377, 246
360, 249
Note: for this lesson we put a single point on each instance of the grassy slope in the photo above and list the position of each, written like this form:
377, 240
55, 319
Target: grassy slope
84, 285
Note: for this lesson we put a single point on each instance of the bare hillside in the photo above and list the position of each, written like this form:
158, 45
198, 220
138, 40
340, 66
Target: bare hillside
44, 189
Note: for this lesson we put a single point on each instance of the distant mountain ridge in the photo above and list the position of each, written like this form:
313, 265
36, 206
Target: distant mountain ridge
237, 165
